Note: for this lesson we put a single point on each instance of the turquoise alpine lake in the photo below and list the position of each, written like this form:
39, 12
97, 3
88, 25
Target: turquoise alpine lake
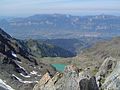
59, 67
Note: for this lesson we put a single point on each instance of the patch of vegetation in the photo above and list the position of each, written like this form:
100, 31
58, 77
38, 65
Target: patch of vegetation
44, 49
95, 71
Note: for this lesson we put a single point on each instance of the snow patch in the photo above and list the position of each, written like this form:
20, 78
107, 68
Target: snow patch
34, 67
20, 80
39, 75
4, 85
22, 68
33, 72
19, 61
26, 76
14, 55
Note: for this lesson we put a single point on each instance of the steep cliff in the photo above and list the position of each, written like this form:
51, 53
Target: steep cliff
18, 67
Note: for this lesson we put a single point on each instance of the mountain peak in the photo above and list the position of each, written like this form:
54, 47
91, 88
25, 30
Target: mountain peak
2, 33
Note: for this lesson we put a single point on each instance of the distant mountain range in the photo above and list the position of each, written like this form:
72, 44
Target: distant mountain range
62, 26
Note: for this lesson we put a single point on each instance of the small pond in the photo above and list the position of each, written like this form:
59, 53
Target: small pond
59, 67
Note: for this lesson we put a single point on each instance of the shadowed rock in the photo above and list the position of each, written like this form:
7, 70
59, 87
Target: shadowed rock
17, 64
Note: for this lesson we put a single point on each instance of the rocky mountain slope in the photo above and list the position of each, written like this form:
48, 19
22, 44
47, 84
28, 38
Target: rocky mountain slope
95, 55
44, 49
68, 44
98, 70
18, 67
103, 60
74, 45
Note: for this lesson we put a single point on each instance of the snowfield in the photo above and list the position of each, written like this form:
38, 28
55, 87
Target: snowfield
4, 86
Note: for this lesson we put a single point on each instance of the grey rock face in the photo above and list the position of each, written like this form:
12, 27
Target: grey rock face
84, 84
88, 84
71, 79
112, 81
92, 84
105, 70
107, 66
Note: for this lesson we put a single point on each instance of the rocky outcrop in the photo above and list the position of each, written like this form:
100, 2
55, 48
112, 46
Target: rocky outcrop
107, 66
107, 78
112, 81
88, 84
47, 82
71, 79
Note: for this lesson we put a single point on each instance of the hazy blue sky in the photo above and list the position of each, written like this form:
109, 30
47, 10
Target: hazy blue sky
29, 7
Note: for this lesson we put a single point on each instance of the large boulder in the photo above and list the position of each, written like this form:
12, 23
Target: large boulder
112, 81
107, 66
88, 84
47, 82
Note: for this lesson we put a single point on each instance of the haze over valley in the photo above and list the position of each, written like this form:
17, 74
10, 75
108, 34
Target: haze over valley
53, 26
59, 45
